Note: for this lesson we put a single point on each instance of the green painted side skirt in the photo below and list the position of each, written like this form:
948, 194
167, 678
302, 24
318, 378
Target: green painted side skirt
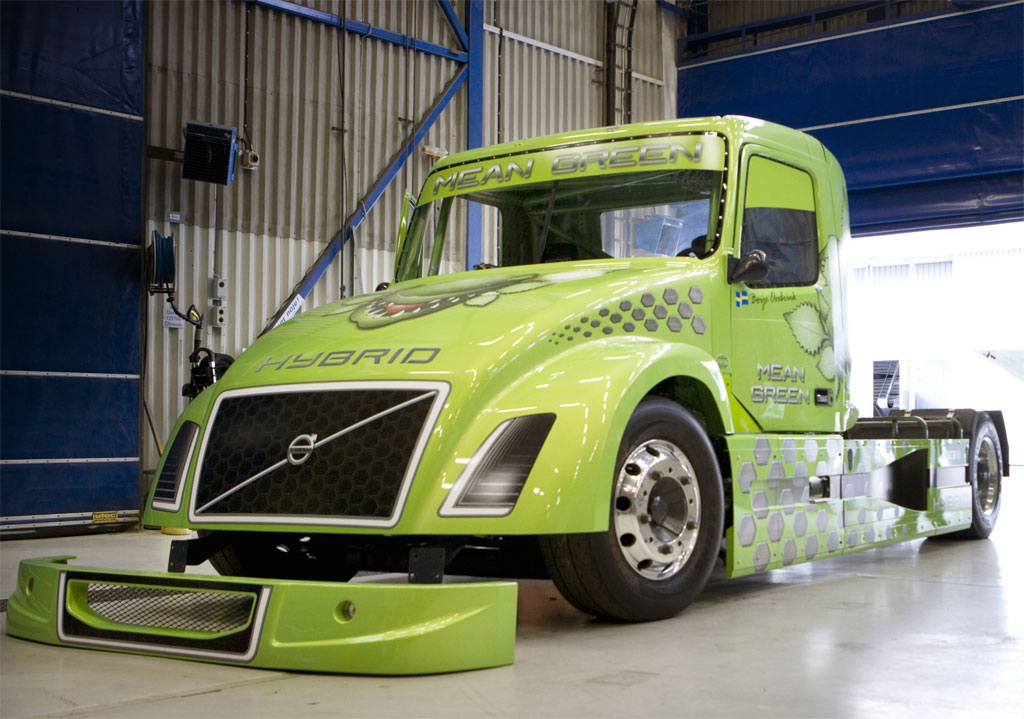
796, 498
356, 628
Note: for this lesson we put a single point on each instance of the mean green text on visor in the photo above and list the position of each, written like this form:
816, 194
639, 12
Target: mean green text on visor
657, 197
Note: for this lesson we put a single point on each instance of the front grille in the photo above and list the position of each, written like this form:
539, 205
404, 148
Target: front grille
154, 607
343, 452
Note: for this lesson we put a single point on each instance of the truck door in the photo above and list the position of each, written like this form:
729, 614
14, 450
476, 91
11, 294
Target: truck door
782, 364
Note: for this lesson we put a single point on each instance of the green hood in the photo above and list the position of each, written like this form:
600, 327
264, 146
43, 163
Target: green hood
478, 321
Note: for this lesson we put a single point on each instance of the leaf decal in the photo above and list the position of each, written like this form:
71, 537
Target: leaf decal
805, 323
825, 303
825, 292
826, 307
827, 363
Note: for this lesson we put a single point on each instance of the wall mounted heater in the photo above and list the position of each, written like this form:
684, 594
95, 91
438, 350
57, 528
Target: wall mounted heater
210, 152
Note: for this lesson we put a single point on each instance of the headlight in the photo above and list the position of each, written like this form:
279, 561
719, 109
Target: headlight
494, 477
167, 496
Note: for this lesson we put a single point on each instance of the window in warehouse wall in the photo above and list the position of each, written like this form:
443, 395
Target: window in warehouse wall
886, 389
942, 304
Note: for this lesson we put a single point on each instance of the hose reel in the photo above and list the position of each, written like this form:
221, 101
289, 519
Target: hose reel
160, 264
207, 366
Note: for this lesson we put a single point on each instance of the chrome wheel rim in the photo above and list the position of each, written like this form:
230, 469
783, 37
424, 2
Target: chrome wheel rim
657, 509
988, 475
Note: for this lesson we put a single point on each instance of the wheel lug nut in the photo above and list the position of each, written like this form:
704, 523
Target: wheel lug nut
643, 519
665, 549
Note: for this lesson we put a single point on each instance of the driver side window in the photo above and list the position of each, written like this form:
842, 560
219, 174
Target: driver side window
779, 218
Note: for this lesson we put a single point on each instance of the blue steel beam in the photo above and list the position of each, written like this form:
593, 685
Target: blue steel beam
298, 295
474, 121
681, 12
808, 17
362, 29
453, 21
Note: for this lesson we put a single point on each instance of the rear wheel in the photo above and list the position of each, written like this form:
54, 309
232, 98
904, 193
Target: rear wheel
985, 469
665, 523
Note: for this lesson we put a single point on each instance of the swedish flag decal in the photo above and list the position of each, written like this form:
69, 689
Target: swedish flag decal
741, 298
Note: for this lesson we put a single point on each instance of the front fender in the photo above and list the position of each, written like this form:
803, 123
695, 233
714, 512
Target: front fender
593, 390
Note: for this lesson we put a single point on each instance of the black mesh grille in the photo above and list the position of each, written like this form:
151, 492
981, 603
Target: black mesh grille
212, 612
358, 474
169, 483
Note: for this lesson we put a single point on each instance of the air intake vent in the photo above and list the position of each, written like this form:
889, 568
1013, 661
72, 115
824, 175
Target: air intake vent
209, 153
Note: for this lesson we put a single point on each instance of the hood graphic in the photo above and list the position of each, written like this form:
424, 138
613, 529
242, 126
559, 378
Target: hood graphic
419, 300
483, 319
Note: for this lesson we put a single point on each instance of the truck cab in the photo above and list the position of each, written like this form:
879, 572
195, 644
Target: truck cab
758, 211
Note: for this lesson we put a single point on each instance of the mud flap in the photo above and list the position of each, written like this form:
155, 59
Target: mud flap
352, 628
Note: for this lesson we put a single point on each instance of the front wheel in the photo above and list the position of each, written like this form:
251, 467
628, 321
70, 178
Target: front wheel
665, 523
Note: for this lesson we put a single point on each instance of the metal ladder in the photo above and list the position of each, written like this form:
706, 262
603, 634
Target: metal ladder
620, 17
886, 379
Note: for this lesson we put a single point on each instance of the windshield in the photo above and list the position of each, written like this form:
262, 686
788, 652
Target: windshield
656, 197
644, 214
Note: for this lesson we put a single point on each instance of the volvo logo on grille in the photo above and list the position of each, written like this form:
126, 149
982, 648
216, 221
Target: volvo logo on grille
301, 449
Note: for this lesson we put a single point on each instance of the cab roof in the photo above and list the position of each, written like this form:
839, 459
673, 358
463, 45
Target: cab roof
733, 127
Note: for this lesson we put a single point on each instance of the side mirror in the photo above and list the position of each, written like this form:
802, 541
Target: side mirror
752, 267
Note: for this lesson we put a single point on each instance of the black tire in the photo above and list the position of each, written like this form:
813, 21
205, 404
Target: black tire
271, 555
665, 524
985, 470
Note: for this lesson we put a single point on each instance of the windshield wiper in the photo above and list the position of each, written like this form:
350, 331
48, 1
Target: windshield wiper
543, 240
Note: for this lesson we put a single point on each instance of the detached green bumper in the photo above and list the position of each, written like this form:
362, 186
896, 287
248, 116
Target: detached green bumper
272, 624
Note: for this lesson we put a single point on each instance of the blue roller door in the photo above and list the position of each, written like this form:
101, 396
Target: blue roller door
70, 264
925, 115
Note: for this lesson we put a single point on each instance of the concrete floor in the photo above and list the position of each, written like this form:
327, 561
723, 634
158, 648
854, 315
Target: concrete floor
926, 628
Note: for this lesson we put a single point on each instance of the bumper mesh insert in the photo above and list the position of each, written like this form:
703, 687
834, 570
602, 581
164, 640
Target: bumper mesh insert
209, 612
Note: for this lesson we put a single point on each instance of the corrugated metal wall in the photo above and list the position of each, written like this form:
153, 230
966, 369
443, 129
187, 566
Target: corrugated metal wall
313, 89
539, 90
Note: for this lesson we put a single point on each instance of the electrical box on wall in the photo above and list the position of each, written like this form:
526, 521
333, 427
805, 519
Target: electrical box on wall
218, 301
210, 152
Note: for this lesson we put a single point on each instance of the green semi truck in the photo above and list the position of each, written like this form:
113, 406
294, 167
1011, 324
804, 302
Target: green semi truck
650, 375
